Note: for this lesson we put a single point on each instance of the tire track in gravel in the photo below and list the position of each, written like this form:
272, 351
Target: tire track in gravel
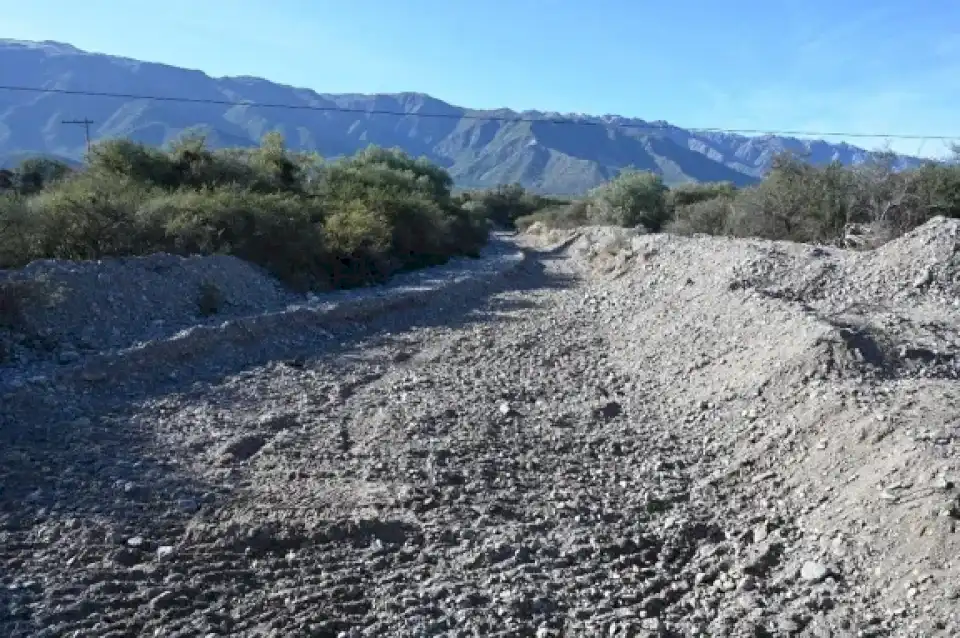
503, 475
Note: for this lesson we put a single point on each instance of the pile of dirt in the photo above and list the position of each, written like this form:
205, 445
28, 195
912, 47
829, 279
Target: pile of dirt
66, 308
829, 379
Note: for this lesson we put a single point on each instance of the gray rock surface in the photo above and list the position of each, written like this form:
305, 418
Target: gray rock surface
659, 436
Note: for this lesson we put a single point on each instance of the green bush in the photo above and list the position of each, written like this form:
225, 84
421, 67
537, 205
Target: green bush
86, 217
633, 198
709, 216
796, 201
313, 224
505, 204
272, 230
689, 194
32, 175
566, 217
18, 231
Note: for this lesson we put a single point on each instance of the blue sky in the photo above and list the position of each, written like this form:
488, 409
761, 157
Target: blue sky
887, 66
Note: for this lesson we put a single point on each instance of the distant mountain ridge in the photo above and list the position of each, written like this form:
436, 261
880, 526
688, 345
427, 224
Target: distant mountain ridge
549, 152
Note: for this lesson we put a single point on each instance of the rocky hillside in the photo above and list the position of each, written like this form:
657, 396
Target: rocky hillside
568, 156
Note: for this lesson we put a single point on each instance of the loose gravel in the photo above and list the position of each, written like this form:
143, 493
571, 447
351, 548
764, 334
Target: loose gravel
617, 435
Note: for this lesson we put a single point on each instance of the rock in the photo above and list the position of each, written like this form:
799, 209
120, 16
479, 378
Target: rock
126, 557
942, 483
760, 533
651, 624
813, 572
188, 505
165, 552
135, 491
242, 448
163, 601
276, 422
609, 410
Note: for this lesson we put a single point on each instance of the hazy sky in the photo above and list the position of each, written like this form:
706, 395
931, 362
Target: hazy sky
881, 66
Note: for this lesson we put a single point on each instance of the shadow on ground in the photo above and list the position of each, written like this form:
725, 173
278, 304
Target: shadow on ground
82, 475
79, 451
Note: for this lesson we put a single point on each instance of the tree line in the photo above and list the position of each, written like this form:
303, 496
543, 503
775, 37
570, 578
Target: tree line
319, 224
315, 224
858, 206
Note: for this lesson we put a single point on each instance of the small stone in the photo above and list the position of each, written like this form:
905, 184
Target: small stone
188, 505
242, 448
651, 624
760, 533
609, 410
135, 542
134, 491
126, 557
813, 572
925, 277
942, 483
788, 626
163, 601
747, 583
165, 552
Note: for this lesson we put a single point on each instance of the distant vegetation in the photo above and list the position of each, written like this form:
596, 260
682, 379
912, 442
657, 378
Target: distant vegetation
505, 204
330, 224
314, 224
858, 206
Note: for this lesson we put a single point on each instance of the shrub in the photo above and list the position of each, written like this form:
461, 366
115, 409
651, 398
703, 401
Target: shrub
689, 194
796, 201
505, 204
313, 224
275, 231
18, 231
134, 162
87, 217
709, 216
633, 198
557, 217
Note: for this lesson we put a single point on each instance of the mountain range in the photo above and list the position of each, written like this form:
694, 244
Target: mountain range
544, 151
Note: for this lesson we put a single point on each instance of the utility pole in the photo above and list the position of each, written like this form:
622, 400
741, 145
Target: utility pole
85, 123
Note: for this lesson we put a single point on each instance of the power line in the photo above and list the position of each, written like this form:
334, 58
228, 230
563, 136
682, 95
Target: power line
85, 123
468, 116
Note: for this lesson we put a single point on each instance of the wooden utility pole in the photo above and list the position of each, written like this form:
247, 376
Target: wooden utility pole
85, 123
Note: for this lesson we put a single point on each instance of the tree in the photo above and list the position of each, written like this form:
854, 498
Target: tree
141, 163
428, 177
796, 201
33, 173
688, 194
191, 159
633, 198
